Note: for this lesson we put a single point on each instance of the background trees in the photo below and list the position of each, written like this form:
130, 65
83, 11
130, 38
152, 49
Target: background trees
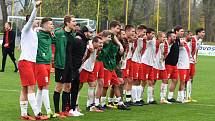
172, 12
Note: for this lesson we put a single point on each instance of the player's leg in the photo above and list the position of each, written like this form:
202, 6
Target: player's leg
12, 57
57, 90
32, 99
164, 86
67, 78
137, 92
43, 78
99, 77
134, 90
190, 82
103, 97
28, 81
23, 101
129, 80
172, 73
151, 83
4, 58
111, 98
74, 93
99, 91
84, 77
91, 96
116, 83
181, 96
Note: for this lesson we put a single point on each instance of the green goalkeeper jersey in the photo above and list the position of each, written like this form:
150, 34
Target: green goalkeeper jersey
108, 55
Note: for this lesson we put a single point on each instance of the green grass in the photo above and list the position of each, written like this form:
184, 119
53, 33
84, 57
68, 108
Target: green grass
208, 43
203, 91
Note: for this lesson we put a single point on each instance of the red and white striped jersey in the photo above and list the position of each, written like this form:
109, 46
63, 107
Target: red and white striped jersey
184, 56
194, 45
148, 57
161, 53
138, 46
130, 51
88, 65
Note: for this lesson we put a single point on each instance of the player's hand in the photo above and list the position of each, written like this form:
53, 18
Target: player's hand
52, 34
38, 3
91, 48
6, 45
121, 49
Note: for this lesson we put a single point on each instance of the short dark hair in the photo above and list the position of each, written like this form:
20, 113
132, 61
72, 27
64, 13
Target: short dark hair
9, 23
199, 30
114, 23
96, 39
78, 24
44, 20
149, 30
67, 19
177, 28
141, 26
27, 17
168, 34
105, 33
128, 27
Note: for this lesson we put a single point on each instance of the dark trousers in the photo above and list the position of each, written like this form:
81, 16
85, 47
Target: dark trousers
5, 52
74, 88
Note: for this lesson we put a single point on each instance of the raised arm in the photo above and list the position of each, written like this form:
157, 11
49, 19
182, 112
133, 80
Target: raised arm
29, 24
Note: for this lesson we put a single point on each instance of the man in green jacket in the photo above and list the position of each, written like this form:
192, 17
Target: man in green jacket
62, 36
108, 57
42, 67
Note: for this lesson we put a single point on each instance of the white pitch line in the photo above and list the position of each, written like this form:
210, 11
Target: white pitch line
208, 105
8, 90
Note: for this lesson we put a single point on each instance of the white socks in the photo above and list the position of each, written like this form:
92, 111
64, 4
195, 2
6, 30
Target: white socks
118, 99
163, 91
45, 98
189, 89
150, 97
103, 101
170, 95
96, 101
136, 93
24, 108
141, 96
91, 95
128, 96
39, 100
180, 97
133, 94
139, 92
33, 103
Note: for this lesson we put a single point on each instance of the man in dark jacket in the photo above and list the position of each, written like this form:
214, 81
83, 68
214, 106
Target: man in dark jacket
74, 55
8, 46
62, 35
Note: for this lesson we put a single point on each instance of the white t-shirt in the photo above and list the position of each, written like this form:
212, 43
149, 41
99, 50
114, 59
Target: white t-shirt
148, 57
137, 52
89, 64
184, 57
29, 40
